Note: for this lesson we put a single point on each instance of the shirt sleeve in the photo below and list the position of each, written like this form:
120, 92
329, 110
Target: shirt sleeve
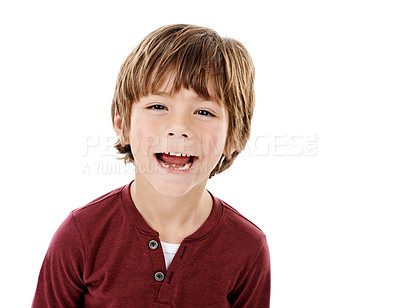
255, 287
60, 282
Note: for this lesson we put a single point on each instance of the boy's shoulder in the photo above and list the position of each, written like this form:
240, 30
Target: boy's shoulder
239, 226
112, 206
106, 203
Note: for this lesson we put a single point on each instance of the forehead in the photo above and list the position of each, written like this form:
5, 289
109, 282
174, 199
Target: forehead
170, 84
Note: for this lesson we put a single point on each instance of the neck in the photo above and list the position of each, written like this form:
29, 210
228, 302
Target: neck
173, 217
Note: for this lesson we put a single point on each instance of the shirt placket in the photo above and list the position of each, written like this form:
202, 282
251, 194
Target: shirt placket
159, 271
175, 270
165, 281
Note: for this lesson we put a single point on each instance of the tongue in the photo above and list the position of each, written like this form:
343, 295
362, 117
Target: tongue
178, 160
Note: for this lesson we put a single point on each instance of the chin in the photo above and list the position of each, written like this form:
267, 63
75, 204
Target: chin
173, 185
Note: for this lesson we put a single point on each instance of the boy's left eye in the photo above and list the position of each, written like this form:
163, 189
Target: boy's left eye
204, 113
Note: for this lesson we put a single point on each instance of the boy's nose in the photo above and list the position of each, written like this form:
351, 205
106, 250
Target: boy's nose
182, 134
179, 126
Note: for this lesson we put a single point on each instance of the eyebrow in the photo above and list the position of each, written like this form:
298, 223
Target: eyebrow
161, 93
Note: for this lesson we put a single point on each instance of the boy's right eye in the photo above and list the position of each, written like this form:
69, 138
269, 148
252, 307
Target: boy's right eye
156, 107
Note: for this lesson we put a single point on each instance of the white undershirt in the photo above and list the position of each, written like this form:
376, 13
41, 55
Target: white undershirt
169, 252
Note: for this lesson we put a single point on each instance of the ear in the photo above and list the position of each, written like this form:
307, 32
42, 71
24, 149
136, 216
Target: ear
230, 147
118, 127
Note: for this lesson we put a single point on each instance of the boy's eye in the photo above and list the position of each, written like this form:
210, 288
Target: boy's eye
205, 113
156, 107
161, 107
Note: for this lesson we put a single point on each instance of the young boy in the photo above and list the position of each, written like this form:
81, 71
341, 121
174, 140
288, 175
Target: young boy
182, 110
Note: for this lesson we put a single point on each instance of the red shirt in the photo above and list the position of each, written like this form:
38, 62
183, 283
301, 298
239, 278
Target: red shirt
105, 255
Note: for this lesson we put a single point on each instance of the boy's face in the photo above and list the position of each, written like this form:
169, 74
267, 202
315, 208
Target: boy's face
181, 123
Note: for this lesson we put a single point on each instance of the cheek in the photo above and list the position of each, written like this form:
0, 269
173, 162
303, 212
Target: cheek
143, 138
214, 142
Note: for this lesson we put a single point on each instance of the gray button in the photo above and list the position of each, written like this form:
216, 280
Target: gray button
159, 276
153, 244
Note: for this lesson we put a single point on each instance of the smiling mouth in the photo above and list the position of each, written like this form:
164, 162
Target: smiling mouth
176, 161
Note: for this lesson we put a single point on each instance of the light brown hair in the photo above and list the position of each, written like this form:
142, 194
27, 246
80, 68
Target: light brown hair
198, 58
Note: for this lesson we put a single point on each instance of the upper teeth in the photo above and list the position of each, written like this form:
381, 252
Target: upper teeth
177, 154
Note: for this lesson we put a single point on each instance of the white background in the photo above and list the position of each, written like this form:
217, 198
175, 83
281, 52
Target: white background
328, 76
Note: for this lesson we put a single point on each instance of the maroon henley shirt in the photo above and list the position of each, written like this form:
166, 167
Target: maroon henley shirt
105, 255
